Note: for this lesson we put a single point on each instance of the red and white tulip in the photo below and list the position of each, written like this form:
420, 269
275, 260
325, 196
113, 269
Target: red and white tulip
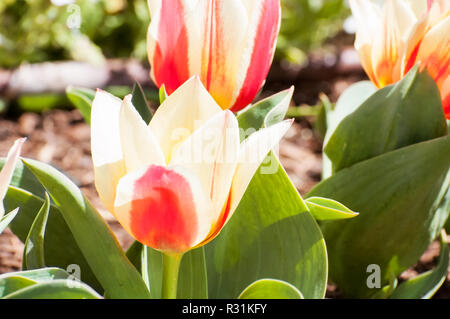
8, 170
229, 44
394, 36
174, 184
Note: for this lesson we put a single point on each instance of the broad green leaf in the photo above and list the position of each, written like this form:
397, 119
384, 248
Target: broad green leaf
56, 289
266, 112
60, 248
82, 99
106, 258
193, 282
397, 195
40, 275
328, 209
271, 235
134, 254
7, 219
425, 285
140, 102
162, 94
33, 252
396, 116
11, 284
347, 103
271, 289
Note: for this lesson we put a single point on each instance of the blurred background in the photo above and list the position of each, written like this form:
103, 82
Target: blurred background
47, 45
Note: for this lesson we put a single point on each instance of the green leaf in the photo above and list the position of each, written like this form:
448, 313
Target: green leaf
271, 289
14, 281
40, 275
397, 195
268, 226
425, 285
140, 102
56, 289
7, 219
162, 94
266, 112
106, 258
193, 282
82, 99
391, 118
328, 209
11, 284
347, 103
60, 248
33, 252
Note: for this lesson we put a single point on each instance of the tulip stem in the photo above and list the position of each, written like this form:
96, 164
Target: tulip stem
171, 266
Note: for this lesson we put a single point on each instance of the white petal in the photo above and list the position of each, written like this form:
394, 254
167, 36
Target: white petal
139, 145
182, 112
106, 148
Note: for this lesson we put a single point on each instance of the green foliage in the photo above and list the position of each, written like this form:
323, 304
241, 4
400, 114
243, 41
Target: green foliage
36, 31
106, 258
33, 252
270, 289
306, 24
391, 118
390, 160
268, 226
328, 209
55, 289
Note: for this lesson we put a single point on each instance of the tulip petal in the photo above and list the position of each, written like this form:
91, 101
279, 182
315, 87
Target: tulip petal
368, 18
163, 208
182, 112
211, 152
140, 147
387, 50
253, 151
167, 43
263, 29
106, 148
434, 53
8, 170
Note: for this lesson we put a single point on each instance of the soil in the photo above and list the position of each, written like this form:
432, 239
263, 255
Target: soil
62, 138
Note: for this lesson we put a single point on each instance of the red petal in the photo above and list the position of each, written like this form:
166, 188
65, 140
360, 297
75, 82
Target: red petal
262, 55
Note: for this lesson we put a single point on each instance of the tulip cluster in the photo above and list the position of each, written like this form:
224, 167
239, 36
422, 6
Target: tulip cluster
393, 37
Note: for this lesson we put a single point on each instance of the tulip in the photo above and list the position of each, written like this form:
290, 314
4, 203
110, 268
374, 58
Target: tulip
229, 44
175, 183
8, 170
393, 37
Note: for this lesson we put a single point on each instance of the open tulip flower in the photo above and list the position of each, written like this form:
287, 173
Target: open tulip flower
174, 184
8, 170
229, 44
393, 37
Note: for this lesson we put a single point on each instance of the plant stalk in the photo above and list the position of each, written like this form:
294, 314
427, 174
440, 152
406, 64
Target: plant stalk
171, 267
